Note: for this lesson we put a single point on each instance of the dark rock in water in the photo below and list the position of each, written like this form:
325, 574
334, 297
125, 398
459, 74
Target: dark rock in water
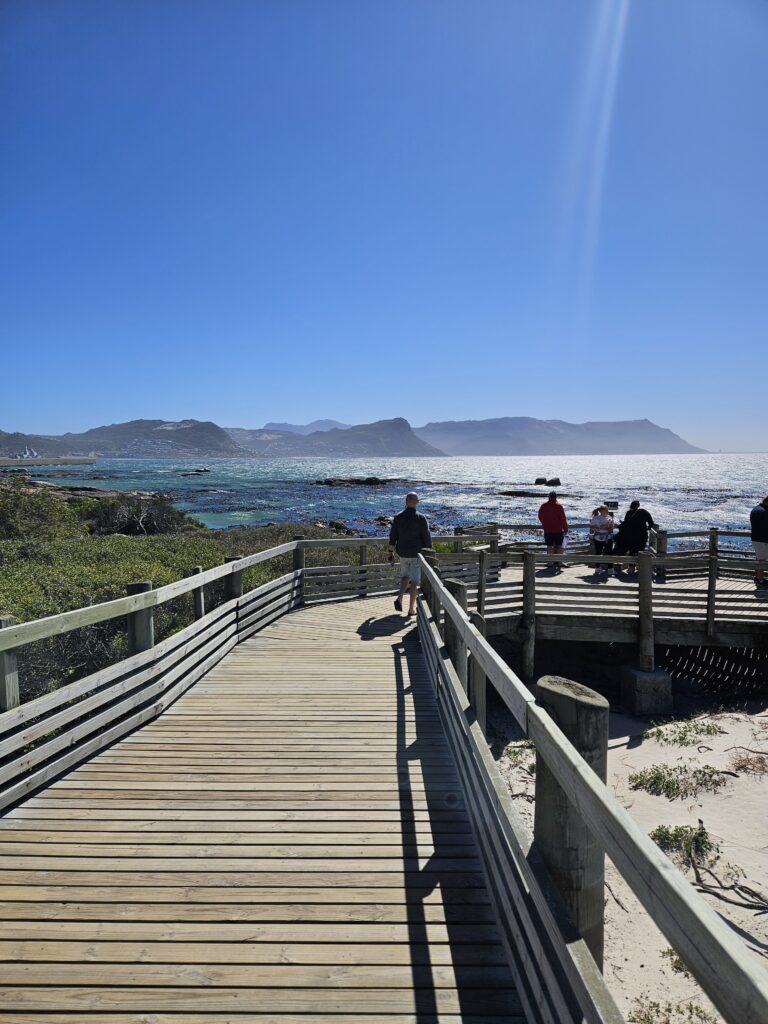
554, 482
359, 481
540, 480
523, 494
339, 526
383, 520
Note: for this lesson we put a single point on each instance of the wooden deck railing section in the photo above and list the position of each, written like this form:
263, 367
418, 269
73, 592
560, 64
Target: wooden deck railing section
727, 972
556, 972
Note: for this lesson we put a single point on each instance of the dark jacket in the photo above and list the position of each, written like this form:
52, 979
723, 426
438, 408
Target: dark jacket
758, 521
409, 533
637, 522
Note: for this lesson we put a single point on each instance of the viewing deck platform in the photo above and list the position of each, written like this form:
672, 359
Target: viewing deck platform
287, 812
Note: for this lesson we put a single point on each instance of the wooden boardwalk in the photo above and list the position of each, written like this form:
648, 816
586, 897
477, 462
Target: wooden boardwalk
287, 844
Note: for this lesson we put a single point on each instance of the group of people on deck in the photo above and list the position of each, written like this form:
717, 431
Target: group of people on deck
630, 538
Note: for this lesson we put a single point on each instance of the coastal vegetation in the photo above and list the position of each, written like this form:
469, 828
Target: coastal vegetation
57, 554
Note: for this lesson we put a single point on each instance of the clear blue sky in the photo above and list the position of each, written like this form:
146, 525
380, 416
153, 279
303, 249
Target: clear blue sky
244, 210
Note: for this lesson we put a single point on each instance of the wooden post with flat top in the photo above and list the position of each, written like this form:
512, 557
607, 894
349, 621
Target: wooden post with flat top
457, 649
233, 584
9, 672
363, 577
711, 595
529, 615
198, 594
645, 609
141, 624
574, 858
482, 573
714, 545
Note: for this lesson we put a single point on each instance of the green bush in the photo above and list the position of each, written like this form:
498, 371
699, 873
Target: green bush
35, 512
50, 563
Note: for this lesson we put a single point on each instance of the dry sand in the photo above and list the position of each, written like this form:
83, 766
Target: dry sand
736, 818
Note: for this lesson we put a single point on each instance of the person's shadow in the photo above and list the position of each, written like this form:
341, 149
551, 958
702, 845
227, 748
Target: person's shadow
388, 625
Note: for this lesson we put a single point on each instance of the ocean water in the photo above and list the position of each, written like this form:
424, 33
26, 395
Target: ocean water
683, 492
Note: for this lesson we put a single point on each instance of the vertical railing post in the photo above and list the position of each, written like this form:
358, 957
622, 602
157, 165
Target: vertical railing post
645, 609
9, 672
233, 584
298, 566
433, 598
198, 594
711, 595
529, 615
574, 858
714, 545
662, 547
476, 677
494, 530
482, 573
363, 581
457, 649
141, 624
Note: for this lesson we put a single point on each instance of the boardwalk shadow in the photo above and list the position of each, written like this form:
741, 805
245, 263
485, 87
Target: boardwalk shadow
452, 869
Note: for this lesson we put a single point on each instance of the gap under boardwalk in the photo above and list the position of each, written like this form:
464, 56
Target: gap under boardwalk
287, 844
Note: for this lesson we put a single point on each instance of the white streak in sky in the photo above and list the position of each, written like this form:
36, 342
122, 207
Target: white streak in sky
589, 143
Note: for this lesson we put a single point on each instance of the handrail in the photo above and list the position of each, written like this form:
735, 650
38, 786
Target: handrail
64, 622
736, 984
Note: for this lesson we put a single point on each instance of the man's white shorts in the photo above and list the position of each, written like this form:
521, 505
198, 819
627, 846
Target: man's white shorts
410, 567
761, 550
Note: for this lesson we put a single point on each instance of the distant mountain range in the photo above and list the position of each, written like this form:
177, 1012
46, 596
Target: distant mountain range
523, 435
307, 428
385, 438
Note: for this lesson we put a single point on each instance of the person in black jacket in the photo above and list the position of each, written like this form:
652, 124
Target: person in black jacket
758, 521
633, 530
409, 534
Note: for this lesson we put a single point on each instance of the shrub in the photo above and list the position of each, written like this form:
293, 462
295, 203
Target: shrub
685, 733
688, 845
35, 512
677, 782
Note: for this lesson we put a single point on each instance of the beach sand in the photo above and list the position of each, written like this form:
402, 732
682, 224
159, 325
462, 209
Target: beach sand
636, 967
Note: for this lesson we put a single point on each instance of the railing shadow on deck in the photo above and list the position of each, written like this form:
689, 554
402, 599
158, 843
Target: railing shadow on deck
445, 806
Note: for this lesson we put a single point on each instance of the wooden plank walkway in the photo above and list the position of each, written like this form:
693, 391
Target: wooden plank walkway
286, 845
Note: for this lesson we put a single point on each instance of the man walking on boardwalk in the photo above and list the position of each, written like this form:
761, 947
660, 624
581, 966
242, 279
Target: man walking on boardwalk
552, 518
409, 534
758, 521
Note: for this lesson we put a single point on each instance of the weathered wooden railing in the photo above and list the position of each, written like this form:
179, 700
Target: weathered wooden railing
557, 973
519, 600
42, 738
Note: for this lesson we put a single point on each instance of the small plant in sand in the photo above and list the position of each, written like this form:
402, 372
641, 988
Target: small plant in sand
678, 782
685, 733
752, 762
675, 962
686, 844
649, 1011
518, 753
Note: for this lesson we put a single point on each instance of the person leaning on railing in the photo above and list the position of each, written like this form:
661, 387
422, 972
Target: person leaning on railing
758, 521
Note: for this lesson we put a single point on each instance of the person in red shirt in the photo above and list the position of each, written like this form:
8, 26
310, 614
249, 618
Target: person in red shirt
552, 518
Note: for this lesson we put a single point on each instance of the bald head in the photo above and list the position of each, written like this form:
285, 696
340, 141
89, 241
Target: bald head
411, 499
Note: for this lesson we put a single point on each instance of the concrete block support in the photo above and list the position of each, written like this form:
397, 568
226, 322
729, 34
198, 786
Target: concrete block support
646, 693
